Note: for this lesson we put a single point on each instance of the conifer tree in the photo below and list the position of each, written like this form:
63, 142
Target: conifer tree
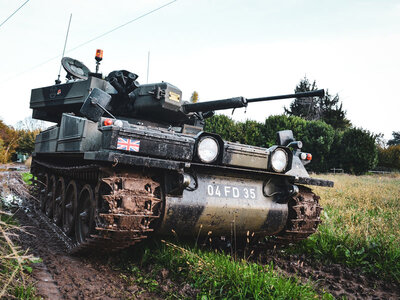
328, 108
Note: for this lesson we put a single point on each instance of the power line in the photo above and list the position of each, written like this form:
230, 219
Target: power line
91, 40
14, 13
120, 26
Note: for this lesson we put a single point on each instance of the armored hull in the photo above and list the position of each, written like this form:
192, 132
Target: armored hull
110, 183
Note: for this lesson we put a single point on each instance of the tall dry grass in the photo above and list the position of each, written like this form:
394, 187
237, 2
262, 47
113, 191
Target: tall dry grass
14, 261
361, 225
365, 207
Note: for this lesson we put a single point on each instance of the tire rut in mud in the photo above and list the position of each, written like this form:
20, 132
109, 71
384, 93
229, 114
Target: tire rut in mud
339, 280
75, 277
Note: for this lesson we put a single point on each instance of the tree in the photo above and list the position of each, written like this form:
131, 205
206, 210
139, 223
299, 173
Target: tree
195, 97
26, 141
9, 136
307, 107
395, 140
327, 108
332, 112
31, 124
27, 131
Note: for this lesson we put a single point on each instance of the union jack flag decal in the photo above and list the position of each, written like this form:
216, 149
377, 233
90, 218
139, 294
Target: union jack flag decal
128, 144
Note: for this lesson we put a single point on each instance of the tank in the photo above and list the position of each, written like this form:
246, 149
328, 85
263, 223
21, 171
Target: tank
126, 161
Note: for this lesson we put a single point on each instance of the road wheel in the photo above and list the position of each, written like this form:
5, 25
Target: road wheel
69, 208
48, 207
59, 195
44, 188
84, 224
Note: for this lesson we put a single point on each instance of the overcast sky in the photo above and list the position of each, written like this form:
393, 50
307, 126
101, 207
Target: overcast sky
219, 48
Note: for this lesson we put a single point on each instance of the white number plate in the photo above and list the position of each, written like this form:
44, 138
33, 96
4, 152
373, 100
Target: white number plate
229, 191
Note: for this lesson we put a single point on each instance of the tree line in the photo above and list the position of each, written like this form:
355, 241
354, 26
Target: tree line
19, 140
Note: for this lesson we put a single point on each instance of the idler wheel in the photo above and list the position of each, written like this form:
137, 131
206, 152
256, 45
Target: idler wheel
59, 195
84, 224
48, 206
44, 188
69, 208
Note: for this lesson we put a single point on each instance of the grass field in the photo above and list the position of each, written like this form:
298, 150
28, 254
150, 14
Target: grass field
361, 225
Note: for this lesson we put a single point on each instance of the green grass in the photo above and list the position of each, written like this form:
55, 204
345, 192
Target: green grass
27, 178
214, 275
361, 227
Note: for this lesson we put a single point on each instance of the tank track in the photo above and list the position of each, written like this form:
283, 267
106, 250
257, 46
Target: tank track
132, 205
303, 219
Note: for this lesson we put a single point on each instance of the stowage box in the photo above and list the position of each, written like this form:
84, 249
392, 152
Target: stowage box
48, 103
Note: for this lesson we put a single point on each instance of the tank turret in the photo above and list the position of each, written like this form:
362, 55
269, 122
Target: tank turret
157, 102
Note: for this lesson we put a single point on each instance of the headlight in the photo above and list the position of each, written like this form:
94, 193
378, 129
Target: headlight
208, 149
279, 160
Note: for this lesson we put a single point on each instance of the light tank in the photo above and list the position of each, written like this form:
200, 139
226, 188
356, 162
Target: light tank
126, 161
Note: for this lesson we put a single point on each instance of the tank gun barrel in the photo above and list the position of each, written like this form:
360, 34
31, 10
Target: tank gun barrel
238, 102
235, 102
316, 93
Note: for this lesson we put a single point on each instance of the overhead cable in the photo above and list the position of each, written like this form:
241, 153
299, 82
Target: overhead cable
14, 13
91, 40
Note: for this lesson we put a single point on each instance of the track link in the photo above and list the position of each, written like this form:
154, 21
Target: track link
129, 203
304, 217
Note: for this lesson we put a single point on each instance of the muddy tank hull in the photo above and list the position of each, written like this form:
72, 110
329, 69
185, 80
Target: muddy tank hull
108, 206
221, 205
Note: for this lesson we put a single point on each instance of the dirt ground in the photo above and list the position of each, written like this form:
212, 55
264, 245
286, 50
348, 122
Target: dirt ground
63, 276
336, 279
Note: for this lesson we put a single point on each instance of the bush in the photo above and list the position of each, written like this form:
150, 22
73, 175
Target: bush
358, 151
389, 157
251, 133
318, 138
273, 124
224, 126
